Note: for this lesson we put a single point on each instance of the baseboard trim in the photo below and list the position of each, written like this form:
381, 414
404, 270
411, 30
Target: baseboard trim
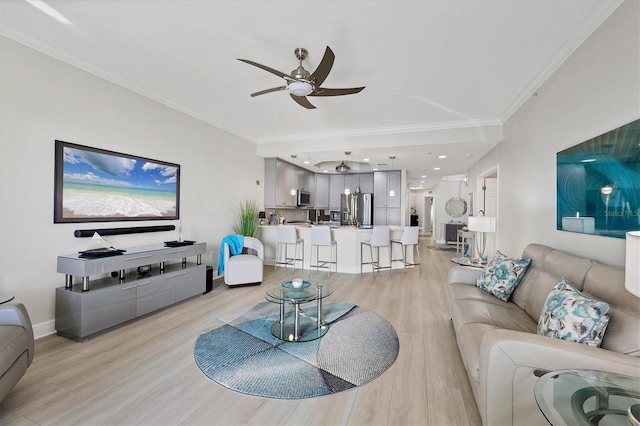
44, 329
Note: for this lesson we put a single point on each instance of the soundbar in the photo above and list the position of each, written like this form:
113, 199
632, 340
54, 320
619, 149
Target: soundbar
84, 233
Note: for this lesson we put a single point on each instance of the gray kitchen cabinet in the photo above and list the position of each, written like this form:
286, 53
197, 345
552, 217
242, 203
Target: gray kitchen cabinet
386, 198
309, 184
120, 294
351, 181
366, 183
322, 191
281, 181
336, 189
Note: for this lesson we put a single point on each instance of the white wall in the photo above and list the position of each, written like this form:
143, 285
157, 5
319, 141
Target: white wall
44, 99
594, 91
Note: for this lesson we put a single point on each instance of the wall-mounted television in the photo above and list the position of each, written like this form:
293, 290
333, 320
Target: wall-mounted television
97, 185
598, 184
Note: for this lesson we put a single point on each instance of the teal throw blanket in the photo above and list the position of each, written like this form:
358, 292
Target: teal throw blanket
235, 243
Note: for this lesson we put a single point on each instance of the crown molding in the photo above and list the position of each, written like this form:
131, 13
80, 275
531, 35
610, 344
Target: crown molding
414, 128
601, 12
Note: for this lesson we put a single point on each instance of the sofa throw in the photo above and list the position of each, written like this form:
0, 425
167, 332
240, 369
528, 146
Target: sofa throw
235, 243
571, 315
501, 275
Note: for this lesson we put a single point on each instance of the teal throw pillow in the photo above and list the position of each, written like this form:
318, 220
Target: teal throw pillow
501, 275
573, 316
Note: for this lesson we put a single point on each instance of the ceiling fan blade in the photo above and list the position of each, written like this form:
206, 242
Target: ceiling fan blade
321, 73
321, 91
302, 100
268, 69
273, 89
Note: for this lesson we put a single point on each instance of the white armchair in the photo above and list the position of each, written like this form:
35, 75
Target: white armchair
244, 268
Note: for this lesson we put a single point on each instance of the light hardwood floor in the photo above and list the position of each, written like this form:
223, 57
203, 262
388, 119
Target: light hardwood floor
144, 372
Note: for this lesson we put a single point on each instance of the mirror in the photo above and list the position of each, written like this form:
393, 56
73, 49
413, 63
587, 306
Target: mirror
456, 207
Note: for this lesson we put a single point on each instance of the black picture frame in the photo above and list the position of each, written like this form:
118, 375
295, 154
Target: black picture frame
99, 185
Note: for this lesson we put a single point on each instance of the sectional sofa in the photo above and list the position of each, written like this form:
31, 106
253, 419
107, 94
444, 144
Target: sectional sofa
501, 349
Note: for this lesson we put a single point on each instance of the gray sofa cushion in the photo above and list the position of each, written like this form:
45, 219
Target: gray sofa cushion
624, 308
14, 341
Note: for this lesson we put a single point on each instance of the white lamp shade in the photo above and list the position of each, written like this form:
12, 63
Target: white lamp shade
632, 268
482, 224
300, 88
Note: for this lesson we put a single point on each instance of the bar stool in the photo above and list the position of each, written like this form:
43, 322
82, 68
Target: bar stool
380, 237
287, 236
409, 238
321, 237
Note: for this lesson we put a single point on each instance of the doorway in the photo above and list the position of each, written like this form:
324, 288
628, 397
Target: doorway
488, 188
427, 215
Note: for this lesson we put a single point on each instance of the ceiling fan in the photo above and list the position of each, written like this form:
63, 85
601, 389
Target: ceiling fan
301, 83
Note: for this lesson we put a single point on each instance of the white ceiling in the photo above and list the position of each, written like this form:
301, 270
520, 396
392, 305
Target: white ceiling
441, 76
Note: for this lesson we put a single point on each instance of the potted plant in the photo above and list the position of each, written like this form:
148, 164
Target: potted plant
247, 222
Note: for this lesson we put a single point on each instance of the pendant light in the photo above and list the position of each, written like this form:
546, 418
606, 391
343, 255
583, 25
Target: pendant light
343, 167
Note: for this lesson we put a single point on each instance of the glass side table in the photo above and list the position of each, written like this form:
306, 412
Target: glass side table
298, 326
568, 397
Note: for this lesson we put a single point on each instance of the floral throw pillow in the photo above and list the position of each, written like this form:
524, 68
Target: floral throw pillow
573, 316
501, 275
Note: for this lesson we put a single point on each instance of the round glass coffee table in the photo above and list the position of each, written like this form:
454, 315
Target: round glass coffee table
586, 397
296, 325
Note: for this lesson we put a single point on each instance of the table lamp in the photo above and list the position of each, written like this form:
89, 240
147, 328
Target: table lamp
481, 225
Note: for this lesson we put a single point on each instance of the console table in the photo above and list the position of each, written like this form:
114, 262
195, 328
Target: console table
120, 293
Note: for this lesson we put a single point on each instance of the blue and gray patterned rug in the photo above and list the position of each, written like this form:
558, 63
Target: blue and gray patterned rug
241, 354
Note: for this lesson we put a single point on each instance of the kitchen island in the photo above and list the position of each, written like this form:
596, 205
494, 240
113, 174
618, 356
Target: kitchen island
348, 239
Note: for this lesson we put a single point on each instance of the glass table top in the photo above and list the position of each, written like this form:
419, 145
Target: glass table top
586, 397
308, 293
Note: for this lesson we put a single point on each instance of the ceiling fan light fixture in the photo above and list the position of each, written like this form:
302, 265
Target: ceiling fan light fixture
300, 88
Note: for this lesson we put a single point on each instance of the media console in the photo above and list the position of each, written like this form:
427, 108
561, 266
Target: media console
94, 305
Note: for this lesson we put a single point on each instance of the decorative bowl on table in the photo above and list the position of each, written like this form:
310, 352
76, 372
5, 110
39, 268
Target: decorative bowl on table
296, 284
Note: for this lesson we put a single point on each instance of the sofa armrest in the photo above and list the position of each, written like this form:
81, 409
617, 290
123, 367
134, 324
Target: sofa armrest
511, 362
463, 275
17, 315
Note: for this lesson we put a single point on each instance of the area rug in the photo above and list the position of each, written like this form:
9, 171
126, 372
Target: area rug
442, 248
241, 354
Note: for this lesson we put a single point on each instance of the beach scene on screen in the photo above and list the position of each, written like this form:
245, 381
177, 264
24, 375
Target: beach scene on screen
103, 185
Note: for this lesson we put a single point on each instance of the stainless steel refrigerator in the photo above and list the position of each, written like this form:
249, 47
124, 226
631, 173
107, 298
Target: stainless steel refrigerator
356, 209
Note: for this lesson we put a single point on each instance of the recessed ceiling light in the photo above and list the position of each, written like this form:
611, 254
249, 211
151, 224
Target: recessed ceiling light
436, 168
442, 156
365, 159
375, 169
423, 176
325, 171
468, 155
421, 181
307, 162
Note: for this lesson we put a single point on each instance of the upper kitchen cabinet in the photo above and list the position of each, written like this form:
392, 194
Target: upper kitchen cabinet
386, 189
351, 182
364, 181
321, 200
281, 181
386, 198
336, 189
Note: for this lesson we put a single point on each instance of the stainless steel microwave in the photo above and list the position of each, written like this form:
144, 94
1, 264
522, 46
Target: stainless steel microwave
303, 198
